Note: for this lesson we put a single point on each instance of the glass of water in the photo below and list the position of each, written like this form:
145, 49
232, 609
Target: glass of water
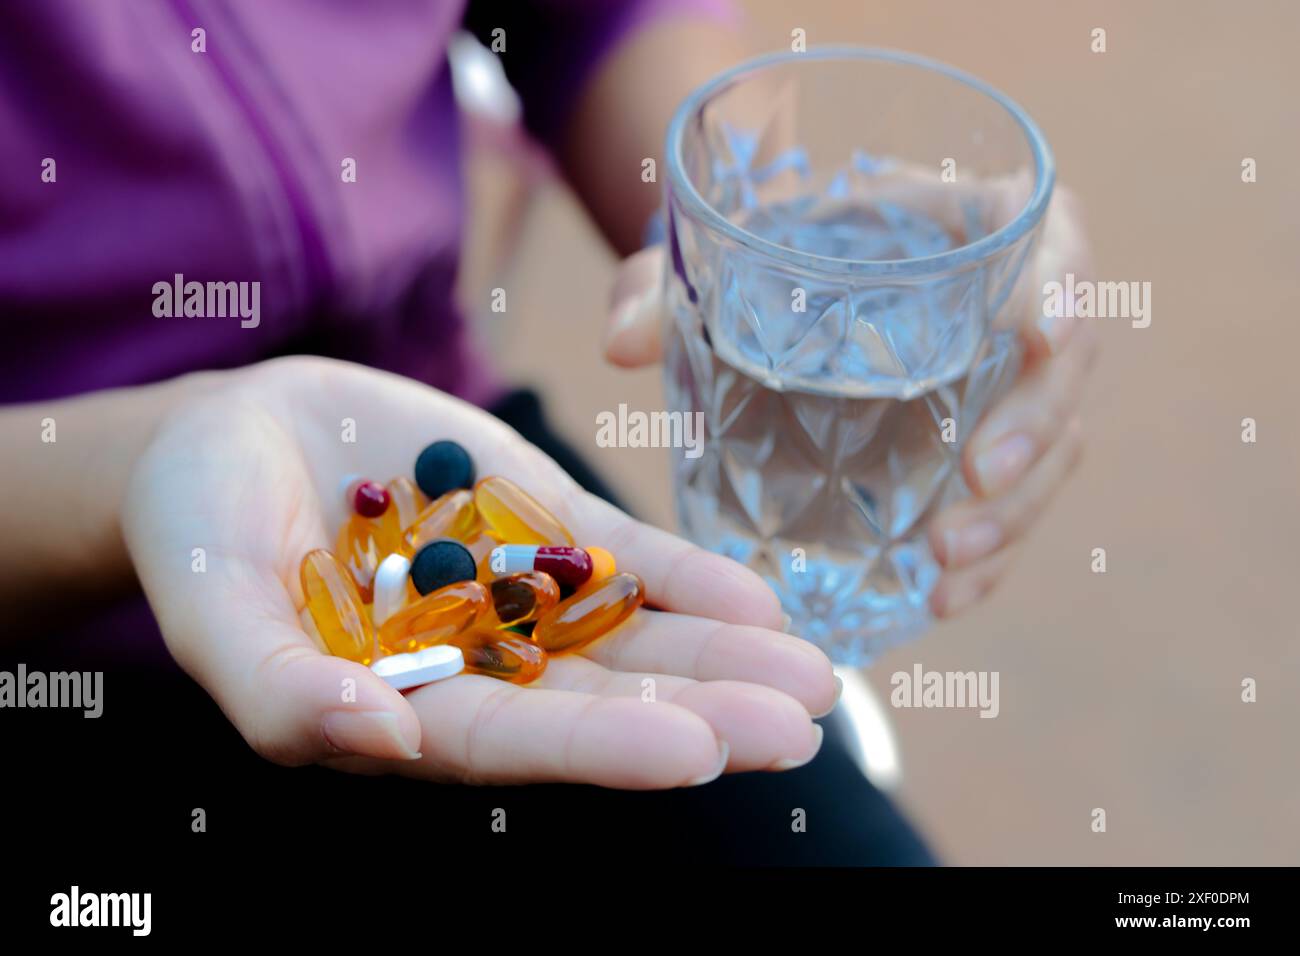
848, 233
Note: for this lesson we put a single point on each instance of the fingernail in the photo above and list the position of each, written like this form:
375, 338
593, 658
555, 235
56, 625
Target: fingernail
367, 733
724, 752
1056, 330
786, 621
1002, 463
625, 318
963, 545
790, 763
839, 689
955, 598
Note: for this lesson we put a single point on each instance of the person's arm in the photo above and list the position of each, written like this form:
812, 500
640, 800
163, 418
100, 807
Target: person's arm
246, 464
62, 488
600, 79
621, 118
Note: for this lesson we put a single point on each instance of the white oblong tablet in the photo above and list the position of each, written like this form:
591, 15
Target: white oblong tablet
404, 671
390, 587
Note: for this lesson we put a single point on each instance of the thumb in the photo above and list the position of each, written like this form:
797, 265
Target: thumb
634, 333
235, 628
291, 702
296, 705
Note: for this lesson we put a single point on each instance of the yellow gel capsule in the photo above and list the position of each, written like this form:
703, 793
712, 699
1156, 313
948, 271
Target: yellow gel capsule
581, 619
513, 659
480, 548
335, 607
407, 501
435, 618
451, 516
363, 543
521, 598
515, 516
483, 556
390, 531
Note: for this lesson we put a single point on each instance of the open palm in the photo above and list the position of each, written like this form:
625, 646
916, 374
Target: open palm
249, 472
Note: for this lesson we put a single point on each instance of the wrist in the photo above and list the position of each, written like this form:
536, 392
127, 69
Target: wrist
61, 541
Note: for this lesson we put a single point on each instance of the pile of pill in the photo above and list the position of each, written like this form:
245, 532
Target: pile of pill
445, 574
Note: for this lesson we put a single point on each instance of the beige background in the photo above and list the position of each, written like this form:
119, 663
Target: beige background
1120, 690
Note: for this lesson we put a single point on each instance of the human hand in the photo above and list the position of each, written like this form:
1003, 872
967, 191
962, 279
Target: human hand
1027, 443
1031, 439
249, 471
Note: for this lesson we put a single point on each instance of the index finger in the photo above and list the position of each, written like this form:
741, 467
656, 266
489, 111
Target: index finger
679, 576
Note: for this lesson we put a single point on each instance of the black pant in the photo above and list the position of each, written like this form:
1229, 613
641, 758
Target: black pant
132, 779
740, 818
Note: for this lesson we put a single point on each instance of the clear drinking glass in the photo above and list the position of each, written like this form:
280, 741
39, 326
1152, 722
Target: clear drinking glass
848, 231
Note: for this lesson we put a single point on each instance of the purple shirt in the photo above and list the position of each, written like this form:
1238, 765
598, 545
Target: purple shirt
226, 166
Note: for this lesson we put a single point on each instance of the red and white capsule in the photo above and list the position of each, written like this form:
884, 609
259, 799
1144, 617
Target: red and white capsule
571, 567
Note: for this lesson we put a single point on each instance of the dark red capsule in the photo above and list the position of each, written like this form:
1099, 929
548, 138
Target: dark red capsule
570, 567
370, 499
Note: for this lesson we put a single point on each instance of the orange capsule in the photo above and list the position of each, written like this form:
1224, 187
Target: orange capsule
602, 567
335, 607
581, 619
451, 516
362, 543
520, 598
515, 516
435, 618
512, 659
408, 501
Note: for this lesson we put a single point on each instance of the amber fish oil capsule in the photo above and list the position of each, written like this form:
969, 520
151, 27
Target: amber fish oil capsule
363, 543
435, 618
576, 622
408, 501
480, 546
521, 598
512, 659
451, 516
515, 516
335, 607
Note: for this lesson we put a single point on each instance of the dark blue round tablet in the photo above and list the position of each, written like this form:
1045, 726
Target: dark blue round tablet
440, 563
443, 466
